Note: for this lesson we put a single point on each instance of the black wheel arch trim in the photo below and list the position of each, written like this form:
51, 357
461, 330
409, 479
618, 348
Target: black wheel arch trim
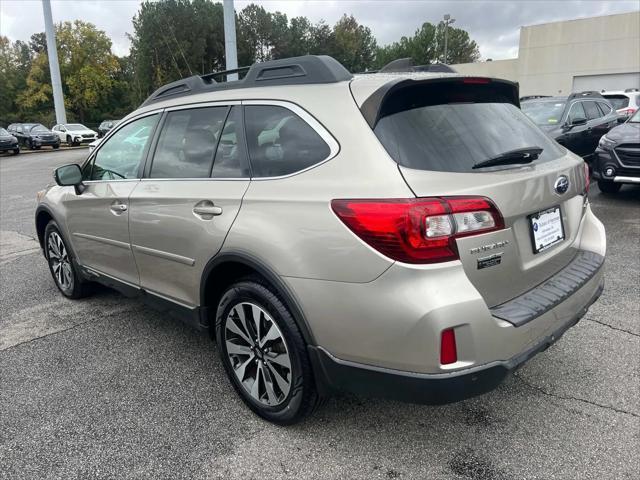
270, 275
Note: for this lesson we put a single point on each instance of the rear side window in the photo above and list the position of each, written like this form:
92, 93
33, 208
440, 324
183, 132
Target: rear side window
187, 143
592, 110
606, 109
280, 142
443, 131
618, 101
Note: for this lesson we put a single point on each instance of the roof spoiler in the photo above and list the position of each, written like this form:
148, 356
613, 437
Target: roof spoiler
372, 107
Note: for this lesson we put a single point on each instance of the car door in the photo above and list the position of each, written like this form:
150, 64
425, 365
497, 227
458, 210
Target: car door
596, 126
98, 218
191, 194
19, 133
575, 137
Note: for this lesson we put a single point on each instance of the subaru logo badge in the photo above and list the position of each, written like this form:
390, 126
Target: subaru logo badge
562, 185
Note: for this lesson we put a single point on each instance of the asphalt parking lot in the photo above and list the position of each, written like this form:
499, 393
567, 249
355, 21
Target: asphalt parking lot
107, 388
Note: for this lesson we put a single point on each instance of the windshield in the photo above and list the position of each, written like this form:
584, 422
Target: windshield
635, 118
76, 126
39, 128
456, 136
618, 101
3, 132
544, 113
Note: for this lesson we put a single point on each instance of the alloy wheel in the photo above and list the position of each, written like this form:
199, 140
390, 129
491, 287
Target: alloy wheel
60, 262
258, 354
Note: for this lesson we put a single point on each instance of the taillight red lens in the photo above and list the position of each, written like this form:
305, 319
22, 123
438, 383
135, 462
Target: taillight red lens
448, 350
418, 230
587, 178
475, 80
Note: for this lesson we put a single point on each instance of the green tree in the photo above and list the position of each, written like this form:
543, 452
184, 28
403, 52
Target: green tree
353, 44
427, 46
87, 67
15, 62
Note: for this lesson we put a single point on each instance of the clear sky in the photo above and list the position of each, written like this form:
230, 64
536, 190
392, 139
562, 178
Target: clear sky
493, 24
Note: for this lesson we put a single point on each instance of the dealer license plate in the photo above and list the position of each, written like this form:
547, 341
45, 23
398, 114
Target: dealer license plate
546, 229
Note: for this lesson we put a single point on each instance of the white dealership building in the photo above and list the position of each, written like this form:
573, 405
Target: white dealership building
598, 53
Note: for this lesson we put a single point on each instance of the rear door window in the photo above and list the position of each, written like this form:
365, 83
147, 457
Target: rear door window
592, 110
606, 109
280, 142
187, 143
451, 131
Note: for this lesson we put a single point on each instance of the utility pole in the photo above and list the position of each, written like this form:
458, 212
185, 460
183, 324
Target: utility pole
447, 21
52, 51
230, 49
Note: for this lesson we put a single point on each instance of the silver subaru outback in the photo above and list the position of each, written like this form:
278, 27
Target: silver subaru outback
404, 235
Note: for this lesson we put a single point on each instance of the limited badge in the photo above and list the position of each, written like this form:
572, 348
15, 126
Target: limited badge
490, 261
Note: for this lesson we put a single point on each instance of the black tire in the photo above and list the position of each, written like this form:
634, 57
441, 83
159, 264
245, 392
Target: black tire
302, 398
69, 141
77, 287
16, 151
55, 147
31, 145
609, 188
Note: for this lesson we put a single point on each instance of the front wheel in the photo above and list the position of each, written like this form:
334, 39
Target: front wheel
61, 264
55, 147
609, 187
69, 141
16, 151
264, 353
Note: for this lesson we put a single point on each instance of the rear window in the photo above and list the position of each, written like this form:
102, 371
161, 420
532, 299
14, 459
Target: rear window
618, 101
452, 137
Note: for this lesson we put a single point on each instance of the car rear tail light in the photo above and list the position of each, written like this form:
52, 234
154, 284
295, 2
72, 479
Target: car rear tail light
448, 350
476, 80
627, 111
587, 178
418, 230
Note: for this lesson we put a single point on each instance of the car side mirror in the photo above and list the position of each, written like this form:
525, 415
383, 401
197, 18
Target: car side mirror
578, 121
69, 176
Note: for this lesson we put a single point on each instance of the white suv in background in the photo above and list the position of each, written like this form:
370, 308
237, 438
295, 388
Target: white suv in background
625, 102
74, 133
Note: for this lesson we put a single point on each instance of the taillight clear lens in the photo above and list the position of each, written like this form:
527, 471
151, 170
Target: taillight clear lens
418, 230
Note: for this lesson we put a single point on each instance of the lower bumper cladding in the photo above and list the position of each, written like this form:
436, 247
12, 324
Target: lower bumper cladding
335, 375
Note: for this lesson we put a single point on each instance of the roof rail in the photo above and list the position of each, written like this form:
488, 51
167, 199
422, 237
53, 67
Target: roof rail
586, 93
627, 90
308, 69
406, 65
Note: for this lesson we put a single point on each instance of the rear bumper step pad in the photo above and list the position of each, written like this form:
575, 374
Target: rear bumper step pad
547, 295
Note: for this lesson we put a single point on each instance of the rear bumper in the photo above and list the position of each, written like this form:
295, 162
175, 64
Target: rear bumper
8, 148
335, 375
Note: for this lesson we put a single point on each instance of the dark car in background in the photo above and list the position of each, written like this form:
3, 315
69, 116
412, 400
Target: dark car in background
105, 126
576, 122
617, 158
8, 143
34, 135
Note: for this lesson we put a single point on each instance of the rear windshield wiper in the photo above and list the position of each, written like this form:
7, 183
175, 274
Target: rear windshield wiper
519, 155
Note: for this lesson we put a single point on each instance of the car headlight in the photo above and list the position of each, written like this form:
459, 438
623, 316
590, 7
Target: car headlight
606, 142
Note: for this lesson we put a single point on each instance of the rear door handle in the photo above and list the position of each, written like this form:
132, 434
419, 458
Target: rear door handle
118, 208
206, 210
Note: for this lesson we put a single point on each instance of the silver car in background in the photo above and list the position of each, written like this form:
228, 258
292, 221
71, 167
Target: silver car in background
405, 235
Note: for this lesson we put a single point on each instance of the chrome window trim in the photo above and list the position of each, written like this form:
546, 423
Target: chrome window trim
332, 143
193, 106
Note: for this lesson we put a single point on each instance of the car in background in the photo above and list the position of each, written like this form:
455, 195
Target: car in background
626, 102
617, 158
34, 135
8, 143
577, 122
105, 126
74, 133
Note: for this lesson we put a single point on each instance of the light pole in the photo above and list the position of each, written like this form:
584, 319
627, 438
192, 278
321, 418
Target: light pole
447, 21
230, 50
52, 51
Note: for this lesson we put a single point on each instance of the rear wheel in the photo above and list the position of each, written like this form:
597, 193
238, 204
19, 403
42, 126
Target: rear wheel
69, 141
61, 264
264, 353
609, 187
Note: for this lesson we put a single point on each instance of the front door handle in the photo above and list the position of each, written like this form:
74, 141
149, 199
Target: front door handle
118, 208
206, 210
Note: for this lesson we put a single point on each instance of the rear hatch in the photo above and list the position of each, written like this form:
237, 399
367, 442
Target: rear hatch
441, 130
